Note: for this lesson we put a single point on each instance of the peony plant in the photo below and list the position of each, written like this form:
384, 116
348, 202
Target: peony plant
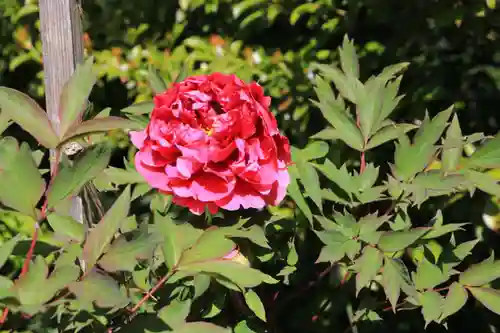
216, 223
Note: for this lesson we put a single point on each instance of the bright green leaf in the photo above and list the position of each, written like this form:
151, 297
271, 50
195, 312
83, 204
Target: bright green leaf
489, 297
481, 273
99, 125
367, 266
255, 304
454, 301
175, 313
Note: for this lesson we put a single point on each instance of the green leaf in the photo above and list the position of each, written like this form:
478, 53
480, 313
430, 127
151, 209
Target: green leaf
329, 133
489, 297
99, 125
67, 226
487, 156
452, 146
242, 327
392, 241
123, 176
483, 181
75, 94
156, 82
99, 289
454, 301
348, 58
411, 159
5, 122
481, 273
100, 237
335, 113
21, 185
175, 238
313, 151
310, 180
255, 234
432, 304
255, 304
340, 177
295, 193
212, 245
27, 113
429, 275
7, 248
122, 254
139, 108
388, 133
241, 275
28, 286
175, 313
331, 253
70, 180
367, 266
392, 280
198, 327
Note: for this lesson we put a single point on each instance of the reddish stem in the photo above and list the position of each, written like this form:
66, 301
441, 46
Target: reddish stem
152, 291
363, 163
4, 316
27, 260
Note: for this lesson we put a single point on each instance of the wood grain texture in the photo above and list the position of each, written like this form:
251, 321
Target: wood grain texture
62, 45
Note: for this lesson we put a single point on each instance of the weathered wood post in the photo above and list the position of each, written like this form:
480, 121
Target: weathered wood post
62, 43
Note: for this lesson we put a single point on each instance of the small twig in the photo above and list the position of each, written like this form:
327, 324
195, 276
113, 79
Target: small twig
152, 291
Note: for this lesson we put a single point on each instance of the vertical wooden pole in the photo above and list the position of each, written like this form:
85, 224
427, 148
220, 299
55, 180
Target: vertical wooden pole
62, 44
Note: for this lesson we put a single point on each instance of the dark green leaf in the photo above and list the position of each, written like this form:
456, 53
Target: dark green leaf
310, 180
100, 237
123, 176
27, 113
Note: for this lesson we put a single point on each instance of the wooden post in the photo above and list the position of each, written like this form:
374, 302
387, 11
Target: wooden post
62, 44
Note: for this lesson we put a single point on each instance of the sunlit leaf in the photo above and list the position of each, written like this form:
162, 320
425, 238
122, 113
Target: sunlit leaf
74, 95
392, 241
175, 313
100, 237
481, 273
25, 111
255, 304
67, 226
454, 301
99, 125
367, 265
489, 297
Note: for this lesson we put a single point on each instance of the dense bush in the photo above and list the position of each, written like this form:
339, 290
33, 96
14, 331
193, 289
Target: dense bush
365, 229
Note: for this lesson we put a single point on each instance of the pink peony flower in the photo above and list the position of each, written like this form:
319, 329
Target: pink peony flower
212, 142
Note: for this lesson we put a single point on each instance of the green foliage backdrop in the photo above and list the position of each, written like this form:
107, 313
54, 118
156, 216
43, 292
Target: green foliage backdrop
448, 51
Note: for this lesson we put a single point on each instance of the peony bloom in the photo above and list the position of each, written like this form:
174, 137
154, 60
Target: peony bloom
212, 142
